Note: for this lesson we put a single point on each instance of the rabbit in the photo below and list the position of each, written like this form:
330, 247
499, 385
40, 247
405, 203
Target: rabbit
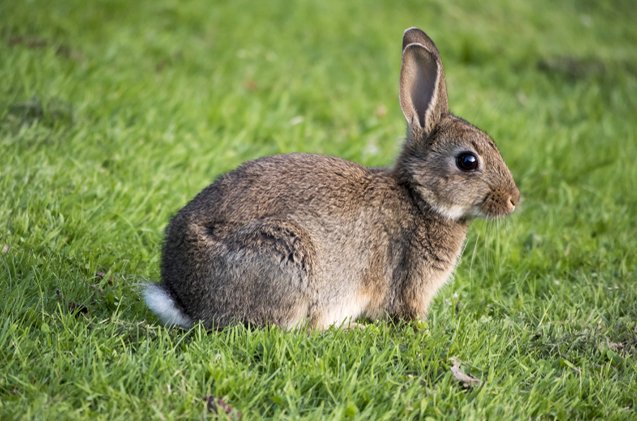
309, 240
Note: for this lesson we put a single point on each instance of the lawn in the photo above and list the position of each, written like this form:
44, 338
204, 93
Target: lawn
113, 114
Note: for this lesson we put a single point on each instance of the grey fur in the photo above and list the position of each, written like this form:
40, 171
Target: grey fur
300, 238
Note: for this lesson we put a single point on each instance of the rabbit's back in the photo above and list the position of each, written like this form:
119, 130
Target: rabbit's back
300, 185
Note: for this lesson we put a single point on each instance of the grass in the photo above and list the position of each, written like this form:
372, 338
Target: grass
114, 114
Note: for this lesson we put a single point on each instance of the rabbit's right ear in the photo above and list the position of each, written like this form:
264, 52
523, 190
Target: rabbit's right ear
423, 94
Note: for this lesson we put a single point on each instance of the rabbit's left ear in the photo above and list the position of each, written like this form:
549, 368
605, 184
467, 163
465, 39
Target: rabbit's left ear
423, 95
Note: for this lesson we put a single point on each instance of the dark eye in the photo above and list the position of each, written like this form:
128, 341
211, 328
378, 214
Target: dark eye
467, 161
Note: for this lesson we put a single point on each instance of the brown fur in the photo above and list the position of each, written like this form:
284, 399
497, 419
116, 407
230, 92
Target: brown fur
300, 238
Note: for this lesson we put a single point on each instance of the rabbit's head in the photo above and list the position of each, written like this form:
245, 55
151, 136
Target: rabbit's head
451, 164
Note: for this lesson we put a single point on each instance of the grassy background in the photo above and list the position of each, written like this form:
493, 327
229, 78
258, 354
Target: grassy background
113, 114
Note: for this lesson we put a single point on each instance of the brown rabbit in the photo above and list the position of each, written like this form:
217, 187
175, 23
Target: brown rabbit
304, 239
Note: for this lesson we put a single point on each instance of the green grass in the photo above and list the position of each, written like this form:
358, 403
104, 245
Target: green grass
114, 114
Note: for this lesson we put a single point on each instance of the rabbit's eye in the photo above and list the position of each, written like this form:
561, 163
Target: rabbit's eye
467, 161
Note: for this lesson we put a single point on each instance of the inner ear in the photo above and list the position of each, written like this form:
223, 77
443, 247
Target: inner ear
419, 79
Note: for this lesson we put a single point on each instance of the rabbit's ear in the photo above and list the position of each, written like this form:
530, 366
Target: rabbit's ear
423, 95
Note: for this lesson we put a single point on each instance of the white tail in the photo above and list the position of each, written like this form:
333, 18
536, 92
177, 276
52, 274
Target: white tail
162, 304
